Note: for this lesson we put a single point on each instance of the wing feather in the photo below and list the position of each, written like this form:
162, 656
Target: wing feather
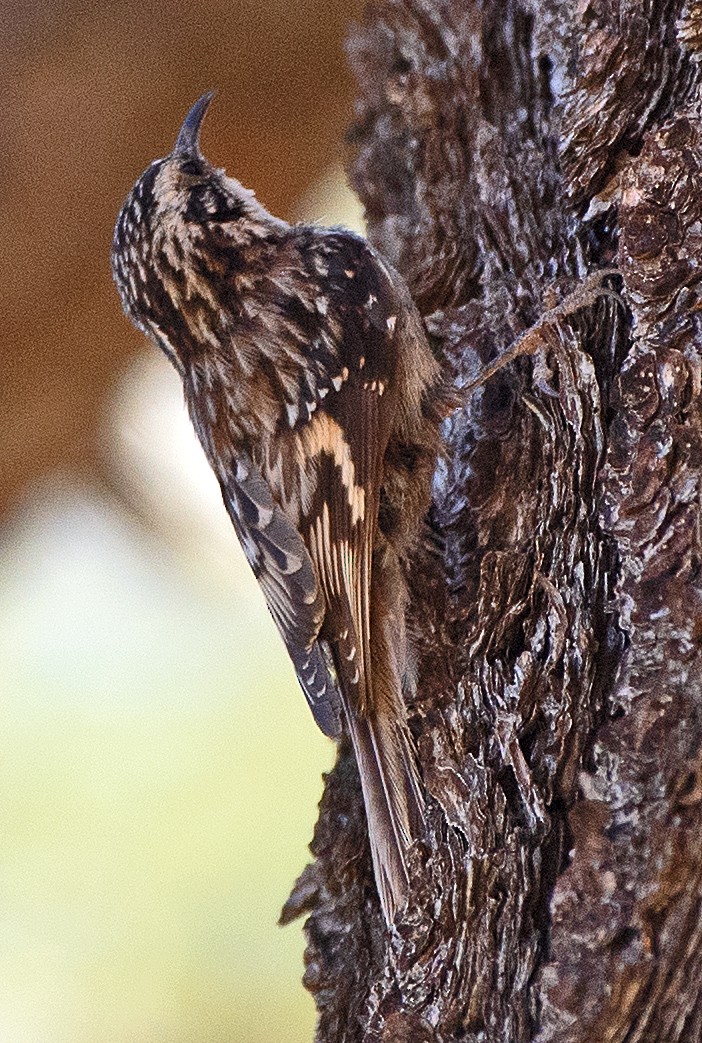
306, 508
286, 574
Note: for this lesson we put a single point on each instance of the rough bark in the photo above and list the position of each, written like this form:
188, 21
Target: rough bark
503, 150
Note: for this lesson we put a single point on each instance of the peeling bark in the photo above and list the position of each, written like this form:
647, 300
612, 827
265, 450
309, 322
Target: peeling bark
503, 151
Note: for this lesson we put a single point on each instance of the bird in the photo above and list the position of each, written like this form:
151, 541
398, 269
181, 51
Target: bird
314, 392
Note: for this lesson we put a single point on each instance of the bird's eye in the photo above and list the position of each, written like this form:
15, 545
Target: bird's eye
207, 204
191, 167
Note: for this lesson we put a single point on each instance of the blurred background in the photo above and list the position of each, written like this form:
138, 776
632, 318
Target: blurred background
159, 770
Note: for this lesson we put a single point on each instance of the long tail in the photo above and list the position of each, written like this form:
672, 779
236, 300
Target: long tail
393, 798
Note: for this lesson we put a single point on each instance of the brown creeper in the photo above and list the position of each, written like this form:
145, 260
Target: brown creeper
311, 386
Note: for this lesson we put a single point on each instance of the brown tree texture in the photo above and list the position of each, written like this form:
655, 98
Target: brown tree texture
504, 150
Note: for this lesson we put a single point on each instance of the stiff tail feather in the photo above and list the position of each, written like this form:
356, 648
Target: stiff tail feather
394, 803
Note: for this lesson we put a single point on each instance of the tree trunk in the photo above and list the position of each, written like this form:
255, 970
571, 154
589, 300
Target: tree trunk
504, 150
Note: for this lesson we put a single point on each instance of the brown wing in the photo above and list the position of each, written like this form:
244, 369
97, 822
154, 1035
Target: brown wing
344, 450
329, 469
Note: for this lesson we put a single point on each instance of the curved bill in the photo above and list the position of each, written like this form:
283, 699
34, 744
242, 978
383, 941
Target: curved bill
188, 142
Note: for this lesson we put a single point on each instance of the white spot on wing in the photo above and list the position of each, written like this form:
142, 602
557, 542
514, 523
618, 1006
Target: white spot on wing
265, 516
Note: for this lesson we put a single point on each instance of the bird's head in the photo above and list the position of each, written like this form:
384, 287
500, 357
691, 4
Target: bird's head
183, 224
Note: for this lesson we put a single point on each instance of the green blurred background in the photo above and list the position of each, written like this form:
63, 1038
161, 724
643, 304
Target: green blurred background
159, 768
